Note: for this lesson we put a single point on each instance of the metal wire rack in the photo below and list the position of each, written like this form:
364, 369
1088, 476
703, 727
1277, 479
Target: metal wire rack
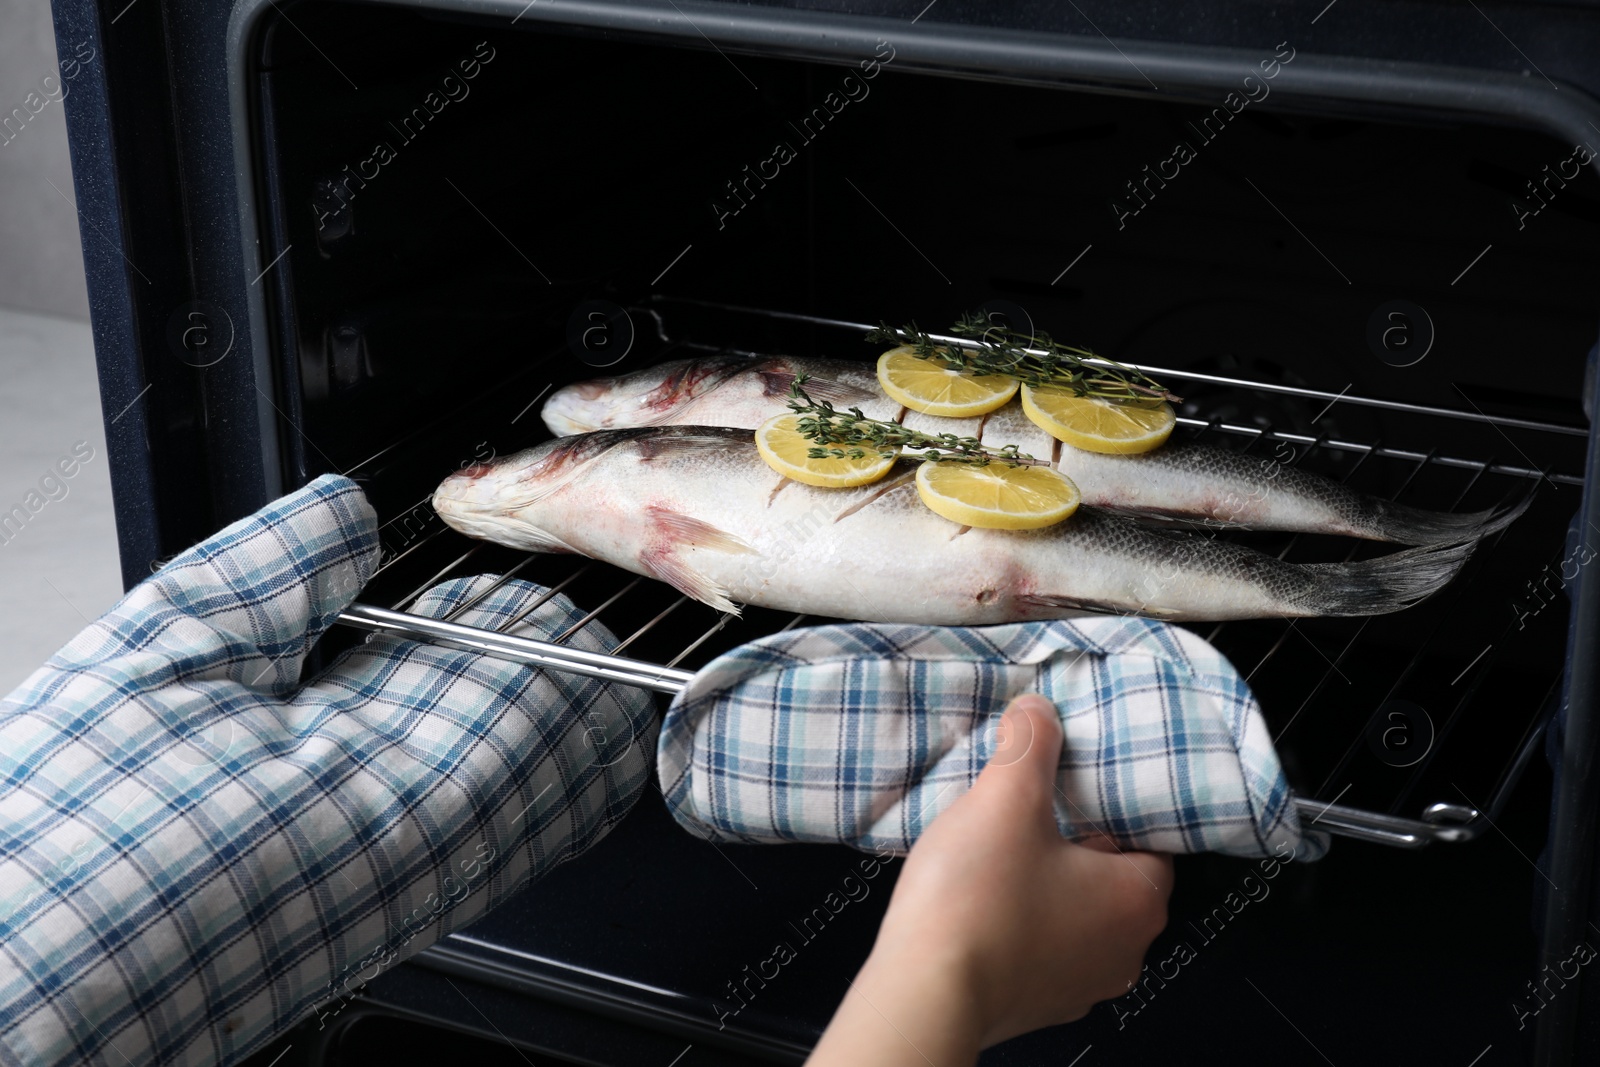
668, 617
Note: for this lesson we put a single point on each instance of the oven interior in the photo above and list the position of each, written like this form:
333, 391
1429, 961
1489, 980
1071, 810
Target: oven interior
422, 308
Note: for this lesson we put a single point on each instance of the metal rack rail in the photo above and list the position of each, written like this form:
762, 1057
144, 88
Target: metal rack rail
1439, 821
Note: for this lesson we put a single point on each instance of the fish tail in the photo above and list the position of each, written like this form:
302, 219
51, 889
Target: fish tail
1406, 525
1383, 585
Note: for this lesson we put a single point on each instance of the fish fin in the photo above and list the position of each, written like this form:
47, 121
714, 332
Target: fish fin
1083, 604
1383, 585
1418, 526
840, 394
887, 486
684, 529
668, 561
655, 441
669, 566
1169, 523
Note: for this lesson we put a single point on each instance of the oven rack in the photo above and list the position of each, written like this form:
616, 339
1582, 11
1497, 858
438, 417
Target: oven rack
1439, 821
860, 329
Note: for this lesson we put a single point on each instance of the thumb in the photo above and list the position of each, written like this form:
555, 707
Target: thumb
265, 588
1026, 753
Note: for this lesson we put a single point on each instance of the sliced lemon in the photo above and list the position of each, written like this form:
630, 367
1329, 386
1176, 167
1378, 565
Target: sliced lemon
998, 496
785, 449
928, 386
1119, 427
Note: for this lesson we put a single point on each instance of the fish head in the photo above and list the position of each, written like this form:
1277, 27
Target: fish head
505, 499
518, 500
646, 397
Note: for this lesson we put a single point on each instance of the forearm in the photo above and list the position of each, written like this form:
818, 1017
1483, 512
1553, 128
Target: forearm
901, 1012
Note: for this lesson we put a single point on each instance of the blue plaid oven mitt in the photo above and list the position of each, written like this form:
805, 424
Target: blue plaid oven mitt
198, 851
864, 733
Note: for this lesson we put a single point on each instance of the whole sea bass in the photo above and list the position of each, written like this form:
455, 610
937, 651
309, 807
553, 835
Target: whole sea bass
1189, 483
697, 508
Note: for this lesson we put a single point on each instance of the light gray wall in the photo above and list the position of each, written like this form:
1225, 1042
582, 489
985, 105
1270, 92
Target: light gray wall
61, 569
41, 261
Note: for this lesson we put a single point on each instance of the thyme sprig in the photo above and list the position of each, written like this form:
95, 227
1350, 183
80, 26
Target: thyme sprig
851, 435
1033, 359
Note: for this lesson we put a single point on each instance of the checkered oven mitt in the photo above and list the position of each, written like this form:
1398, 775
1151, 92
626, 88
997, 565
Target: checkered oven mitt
197, 852
863, 733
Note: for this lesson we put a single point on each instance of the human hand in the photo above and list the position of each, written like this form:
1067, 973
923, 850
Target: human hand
998, 925
196, 849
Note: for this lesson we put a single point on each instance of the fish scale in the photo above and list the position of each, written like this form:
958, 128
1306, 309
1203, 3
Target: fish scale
1187, 483
698, 508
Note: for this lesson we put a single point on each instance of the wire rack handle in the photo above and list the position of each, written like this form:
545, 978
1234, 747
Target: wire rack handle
1440, 822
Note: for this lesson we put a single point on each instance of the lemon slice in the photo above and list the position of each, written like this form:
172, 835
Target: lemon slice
784, 448
1094, 425
998, 496
928, 386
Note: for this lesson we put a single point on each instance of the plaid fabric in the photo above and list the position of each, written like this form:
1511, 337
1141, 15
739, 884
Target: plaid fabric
198, 851
863, 733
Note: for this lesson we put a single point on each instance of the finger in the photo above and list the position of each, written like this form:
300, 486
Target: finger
1153, 868
1027, 753
1029, 728
1100, 843
1156, 867
265, 588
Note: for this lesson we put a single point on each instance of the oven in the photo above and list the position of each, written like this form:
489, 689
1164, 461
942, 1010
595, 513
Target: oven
370, 238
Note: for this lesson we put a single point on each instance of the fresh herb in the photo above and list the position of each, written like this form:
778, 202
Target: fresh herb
851, 435
1031, 359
